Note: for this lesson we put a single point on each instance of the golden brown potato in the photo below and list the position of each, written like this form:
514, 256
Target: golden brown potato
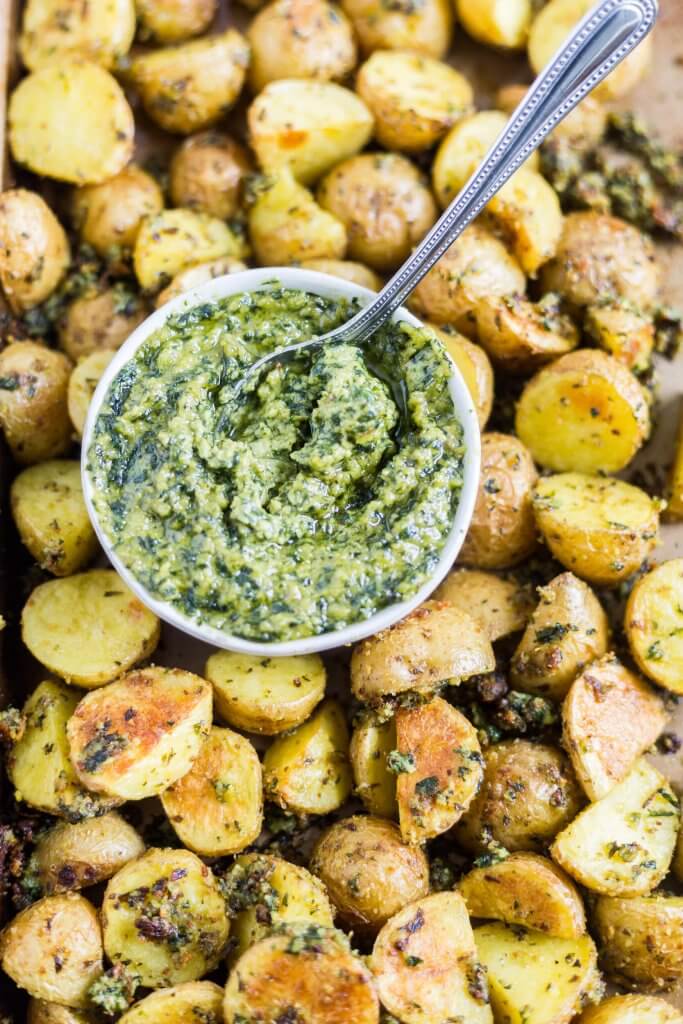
502, 531
175, 240
654, 624
674, 508
50, 514
357, 273
200, 1001
191, 86
475, 367
520, 335
526, 213
384, 205
600, 256
54, 133
582, 129
88, 628
476, 265
53, 949
286, 225
82, 383
371, 744
75, 856
108, 216
99, 320
173, 21
217, 808
631, 1010
426, 28
501, 606
413, 98
34, 249
610, 718
494, 23
529, 793
584, 413
207, 174
566, 632
434, 643
425, 964
52, 31
300, 39
164, 918
197, 275
42, 1012
624, 332
265, 695
134, 738
641, 940
601, 528
368, 871
33, 407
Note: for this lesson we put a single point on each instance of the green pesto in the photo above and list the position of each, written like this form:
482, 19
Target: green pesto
309, 505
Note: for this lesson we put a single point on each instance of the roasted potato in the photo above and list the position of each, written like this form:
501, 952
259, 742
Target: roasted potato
307, 771
501, 606
33, 408
173, 21
197, 275
526, 890
371, 744
40, 1011
88, 628
52, 31
53, 949
384, 205
99, 319
584, 413
207, 173
368, 871
476, 265
674, 508
217, 808
425, 29
307, 126
200, 1001
175, 240
300, 39
434, 643
413, 98
82, 383
520, 335
75, 856
583, 128
265, 695
641, 940
134, 738
526, 214
425, 964
286, 225
528, 794
624, 332
475, 367
654, 624
108, 216
631, 1010
189, 87
494, 23
357, 273
164, 918
54, 133
34, 249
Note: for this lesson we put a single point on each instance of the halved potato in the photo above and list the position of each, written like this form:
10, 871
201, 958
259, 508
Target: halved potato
475, 367
626, 333
584, 128
174, 240
265, 695
503, 23
34, 249
349, 270
40, 1011
108, 216
217, 808
654, 624
526, 212
196, 275
585, 412
54, 133
33, 409
75, 856
631, 1010
426, 28
641, 940
371, 744
174, 20
527, 890
622, 845
82, 383
198, 1002
88, 628
501, 606
425, 964
609, 718
287, 225
520, 335
51, 30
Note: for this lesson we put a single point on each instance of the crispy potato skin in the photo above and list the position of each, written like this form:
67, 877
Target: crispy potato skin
33, 408
108, 216
520, 336
174, 21
653, 623
501, 606
631, 1010
426, 29
53, 30
547, 797
641, 940
349, 270
207, 173
83, 380
99, 320
34, 249
75, 856
202, 1000
475, 367
375, 785
286, 225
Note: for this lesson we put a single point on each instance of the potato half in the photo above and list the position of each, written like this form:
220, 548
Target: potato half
200, 1001
40, 1011
196, 275
34, 249
631, 1010
654, 624
426, 28
349, 270
526, 213
501, 606
51, 30
504, 23
520, 336
475, 367
75, 856
174, 240
33, 404
174, 21
375, 784
287, 225
641, 940
82, 383
108, 216
626, 333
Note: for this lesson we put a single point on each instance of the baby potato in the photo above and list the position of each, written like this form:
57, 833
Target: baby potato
99, 319
164, 918
100, 31
50, 514
600, 256
584, 413
626, 333
34, 249
42, 1012
502, 531
300, 39
307, 126
53, 949
175, 240
475, 266
631, 1010
609, 718
189, 87
368, 871
307, 771
88, 628
108, 216
584, 128
134, 738
371, 744
217, 808
384, 205
265, 695
348, 270
504, 23
425, 964
526, 213
75, 856
195, 276
654, 624
641, 940
207, 173
566, 632
82, 383
200, 1001
286, 225
475, 367
426, 28
33, 409
501, 606
529, 793
433, 643
55, 134
413, 98
601, 528
520, 335
173, 21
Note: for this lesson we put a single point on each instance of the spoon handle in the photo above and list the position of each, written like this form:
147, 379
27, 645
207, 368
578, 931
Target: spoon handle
608, 33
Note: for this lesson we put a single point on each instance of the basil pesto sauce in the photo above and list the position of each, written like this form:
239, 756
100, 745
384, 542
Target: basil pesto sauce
309, 505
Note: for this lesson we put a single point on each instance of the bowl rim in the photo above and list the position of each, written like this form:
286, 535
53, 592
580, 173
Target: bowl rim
330, 287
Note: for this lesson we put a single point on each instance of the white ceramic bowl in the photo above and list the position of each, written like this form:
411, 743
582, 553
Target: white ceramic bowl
332, 287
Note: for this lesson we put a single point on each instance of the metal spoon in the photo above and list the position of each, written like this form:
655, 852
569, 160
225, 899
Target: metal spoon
608, 33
